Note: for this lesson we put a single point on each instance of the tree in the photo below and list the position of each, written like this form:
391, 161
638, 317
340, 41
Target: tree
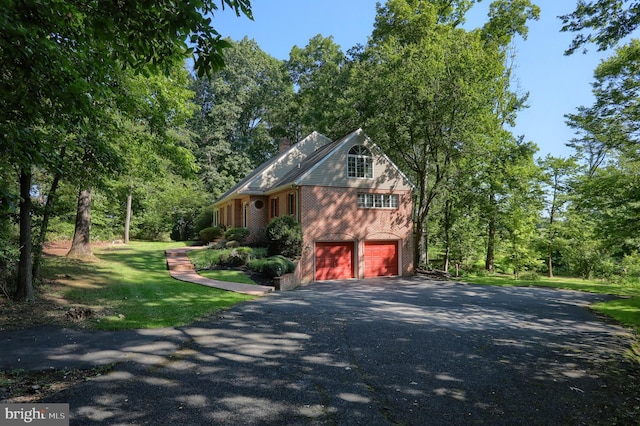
239, 121
319, 72
611, 21
53, 69
428, 92
556, 173
607, 139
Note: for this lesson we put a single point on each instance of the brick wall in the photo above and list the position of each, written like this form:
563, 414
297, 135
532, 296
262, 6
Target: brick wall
332, 214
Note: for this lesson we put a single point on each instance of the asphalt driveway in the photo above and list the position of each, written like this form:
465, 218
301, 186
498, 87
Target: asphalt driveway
377, 352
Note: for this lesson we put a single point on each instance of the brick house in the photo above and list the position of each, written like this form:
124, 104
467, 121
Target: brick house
354, 205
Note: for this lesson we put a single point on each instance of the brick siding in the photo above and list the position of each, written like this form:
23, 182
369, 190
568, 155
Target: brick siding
332, 214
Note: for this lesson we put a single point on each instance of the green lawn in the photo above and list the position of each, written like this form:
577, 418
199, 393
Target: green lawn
227, 275
131, 283
626, 310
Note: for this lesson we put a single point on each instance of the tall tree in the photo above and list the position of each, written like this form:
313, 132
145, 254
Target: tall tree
239, 120
53, 68
428, 92
608, 138
556, 174
320, 75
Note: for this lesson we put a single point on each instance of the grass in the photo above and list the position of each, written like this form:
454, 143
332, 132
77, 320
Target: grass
625, 310
228, 275
131, 288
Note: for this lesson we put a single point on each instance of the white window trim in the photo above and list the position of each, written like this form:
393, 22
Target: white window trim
378, 201
362, 160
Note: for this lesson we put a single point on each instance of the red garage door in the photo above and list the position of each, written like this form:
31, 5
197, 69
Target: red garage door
334, 261
380, 258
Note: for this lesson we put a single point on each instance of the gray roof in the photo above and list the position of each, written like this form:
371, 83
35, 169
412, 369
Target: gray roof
305, 156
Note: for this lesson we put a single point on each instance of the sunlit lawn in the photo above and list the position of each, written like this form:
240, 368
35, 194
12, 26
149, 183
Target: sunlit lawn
133, 287
626, 310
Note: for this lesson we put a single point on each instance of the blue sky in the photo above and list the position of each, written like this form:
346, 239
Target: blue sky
557, 84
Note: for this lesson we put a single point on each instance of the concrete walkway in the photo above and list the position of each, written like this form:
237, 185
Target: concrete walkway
181, 268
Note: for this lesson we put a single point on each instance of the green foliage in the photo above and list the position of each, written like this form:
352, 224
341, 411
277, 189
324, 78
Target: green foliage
273, 266
241, 115
203, 220
236, 234
211, 258
9, 255
284, 237
450, 101
529, 276
210, 234
320, 73
611, 20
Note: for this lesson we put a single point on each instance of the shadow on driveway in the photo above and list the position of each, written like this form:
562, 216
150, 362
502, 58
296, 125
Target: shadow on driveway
375, 352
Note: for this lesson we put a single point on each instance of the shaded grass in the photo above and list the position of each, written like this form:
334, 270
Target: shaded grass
229, 275
625, 310
131, 288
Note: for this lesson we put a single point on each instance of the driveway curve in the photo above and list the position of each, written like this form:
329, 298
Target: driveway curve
375, 352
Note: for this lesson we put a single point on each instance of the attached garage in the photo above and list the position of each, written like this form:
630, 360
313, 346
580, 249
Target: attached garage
380, 258
334, 260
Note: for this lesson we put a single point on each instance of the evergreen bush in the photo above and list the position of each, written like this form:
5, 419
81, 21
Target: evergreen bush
236, 234
285, 237
210, 234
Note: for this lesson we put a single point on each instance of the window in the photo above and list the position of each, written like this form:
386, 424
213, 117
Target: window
216, 217
291, 204
274, 207
245, 215
360, 162
377, 201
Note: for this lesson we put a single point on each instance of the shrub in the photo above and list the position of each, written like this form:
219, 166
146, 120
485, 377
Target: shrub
208, 259
274, 266
285, 237
210, 234
236, 234
203, 220
529, 276
238, 257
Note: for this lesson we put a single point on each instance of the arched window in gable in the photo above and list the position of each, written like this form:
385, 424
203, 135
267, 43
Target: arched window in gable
359, 162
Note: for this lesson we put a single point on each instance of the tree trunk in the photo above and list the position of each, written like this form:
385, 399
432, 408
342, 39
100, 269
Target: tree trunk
491, 243
550, 259
447, 234
127, 220
81, 244
42, 237
420, 249
24, 289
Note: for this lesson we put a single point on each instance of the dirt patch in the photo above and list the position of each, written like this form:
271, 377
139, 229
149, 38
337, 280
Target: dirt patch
49, 305
31, 386
56, 248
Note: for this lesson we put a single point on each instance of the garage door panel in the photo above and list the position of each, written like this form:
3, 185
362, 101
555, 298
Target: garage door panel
380, 258
334, 261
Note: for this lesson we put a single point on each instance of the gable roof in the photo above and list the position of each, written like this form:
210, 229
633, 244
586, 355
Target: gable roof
255, 182
292, 165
